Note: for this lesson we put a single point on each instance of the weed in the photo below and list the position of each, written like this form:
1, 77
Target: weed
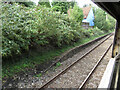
58, 64
39, 75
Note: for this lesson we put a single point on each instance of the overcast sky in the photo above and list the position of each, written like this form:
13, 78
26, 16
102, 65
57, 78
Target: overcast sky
80, 2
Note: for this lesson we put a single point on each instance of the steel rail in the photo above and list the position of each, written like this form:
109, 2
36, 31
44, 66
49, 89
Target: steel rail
94, 68
83, 45
63, 71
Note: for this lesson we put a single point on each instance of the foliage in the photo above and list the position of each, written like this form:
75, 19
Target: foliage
25, 27
97, 31
102, 22
62, 6
14, 30
92, 32
44, 3
57, 65
39, 75
77, 14
111, 22
27, 3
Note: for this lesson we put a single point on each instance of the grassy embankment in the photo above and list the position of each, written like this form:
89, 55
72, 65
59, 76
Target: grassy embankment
9, 69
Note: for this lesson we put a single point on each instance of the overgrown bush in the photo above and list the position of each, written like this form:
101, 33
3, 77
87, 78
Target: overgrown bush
15, 29
97, 31
25, 27
93, 32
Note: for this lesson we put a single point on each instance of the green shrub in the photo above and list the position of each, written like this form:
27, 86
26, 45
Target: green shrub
97, 31
92, 32
25, 27
87, 33
16, 36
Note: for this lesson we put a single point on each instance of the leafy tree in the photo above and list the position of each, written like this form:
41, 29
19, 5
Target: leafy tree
102, 22
77, 14
62, 6
94, 10
27, 3
111, 22
44, 3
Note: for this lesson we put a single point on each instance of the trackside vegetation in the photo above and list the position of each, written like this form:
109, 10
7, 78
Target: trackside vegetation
36, 34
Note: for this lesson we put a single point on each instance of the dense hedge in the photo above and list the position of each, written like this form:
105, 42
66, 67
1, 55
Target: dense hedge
25, 27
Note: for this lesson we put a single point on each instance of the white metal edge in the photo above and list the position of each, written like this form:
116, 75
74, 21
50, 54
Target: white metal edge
107, 77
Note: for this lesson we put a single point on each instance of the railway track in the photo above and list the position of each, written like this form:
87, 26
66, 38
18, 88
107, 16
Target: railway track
73, 64
94, 68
